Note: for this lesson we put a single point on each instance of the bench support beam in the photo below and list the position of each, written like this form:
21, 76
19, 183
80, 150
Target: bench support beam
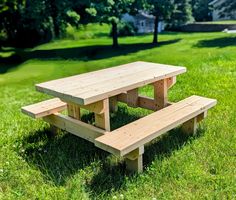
143, 102
190, 127
134, 160
74, 126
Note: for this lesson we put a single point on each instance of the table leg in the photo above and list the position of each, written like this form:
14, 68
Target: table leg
160, 94
132, 98
73, 111
113, 104
134, 160
102, 120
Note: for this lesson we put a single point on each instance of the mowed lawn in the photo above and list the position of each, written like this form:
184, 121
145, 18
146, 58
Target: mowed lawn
35, 166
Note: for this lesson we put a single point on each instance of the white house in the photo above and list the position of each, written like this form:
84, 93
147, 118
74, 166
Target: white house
143, 21
216, 4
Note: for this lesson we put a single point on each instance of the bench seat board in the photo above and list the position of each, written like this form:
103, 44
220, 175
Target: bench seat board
44, 108
129, 137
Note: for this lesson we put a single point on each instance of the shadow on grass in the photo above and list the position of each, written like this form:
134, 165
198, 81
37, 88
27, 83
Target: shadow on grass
84, 53
62, 157
217, 42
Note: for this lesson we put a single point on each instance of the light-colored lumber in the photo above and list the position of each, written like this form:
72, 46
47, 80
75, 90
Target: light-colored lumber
129, 137
134, 160
103, 120
73, 111
160, 94
201, 116
135, 165
92, 87
44, 108
113, 104
190, 127
171, 81
143, 102
132, 98
74, 126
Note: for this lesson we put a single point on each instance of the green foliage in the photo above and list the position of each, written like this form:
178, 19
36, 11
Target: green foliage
161, 9
201, 10
227, 7
111, 11
181, 14
30, 22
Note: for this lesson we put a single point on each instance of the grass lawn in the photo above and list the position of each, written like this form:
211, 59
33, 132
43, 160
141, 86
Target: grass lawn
34, 166
221, 22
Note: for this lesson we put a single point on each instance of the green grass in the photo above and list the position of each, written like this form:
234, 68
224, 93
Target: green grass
221, 22
35, 166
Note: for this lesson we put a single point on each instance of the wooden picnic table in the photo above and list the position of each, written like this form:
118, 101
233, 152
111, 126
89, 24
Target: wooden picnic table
93, 91
99, 92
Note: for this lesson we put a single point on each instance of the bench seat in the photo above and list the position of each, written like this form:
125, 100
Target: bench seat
44, 108
136, 134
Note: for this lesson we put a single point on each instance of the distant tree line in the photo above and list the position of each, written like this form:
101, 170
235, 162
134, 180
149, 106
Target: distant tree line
25, 23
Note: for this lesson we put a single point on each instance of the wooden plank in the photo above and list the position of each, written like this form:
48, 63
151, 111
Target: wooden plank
86, 79
73, 111
103, 120
113, 104
129, 137
171, 81
160, 94
134, 160
190, 127
118, 85
135, 165
201, 116
143, 102
83, 82
132, 98
74, 126
44, 108
81, 90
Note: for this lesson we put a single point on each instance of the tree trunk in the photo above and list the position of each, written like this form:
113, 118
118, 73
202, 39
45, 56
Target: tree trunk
114, 35
54, 15
155, 33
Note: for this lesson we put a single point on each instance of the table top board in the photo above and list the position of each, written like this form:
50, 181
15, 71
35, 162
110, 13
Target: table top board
94, 86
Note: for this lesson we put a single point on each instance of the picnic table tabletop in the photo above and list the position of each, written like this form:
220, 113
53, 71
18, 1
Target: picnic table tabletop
94, 86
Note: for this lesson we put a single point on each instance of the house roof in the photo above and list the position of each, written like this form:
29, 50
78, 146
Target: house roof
146, 15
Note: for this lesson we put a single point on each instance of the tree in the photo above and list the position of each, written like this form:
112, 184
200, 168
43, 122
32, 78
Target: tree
227, 8
162, 10
111, 11
30, 22
201, 10
181, 13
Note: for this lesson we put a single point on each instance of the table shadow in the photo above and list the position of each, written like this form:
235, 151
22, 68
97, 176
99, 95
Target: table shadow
83, 53
60, 158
